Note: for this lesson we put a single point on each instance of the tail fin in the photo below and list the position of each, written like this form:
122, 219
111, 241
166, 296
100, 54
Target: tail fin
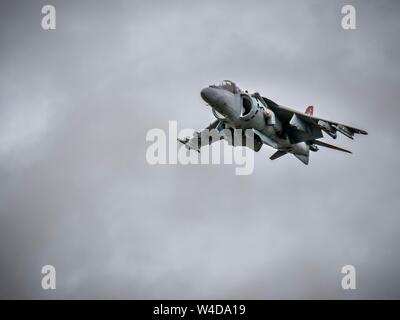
309, 110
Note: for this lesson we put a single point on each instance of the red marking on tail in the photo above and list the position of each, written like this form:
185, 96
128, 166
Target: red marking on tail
309, 110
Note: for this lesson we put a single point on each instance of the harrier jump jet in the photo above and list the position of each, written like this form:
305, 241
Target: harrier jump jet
282, 128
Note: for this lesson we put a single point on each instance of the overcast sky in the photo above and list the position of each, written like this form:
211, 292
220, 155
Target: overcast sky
76, 191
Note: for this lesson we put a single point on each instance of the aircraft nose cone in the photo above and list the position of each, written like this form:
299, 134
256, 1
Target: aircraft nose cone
209, 95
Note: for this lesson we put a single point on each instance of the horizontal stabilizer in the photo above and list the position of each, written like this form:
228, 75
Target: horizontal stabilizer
277, 155
330, 146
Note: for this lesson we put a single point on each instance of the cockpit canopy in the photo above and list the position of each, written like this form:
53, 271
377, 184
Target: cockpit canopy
228, 85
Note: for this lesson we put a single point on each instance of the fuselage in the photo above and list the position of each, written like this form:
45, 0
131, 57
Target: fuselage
242, 110
280, 127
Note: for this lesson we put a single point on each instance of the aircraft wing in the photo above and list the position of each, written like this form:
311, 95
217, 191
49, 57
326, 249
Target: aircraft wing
330, 127
202, 138
216, 131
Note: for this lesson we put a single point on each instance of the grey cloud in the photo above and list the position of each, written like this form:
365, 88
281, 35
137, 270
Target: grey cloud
76, 191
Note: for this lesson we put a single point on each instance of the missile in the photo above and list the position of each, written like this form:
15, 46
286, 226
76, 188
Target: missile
343, 130
332, 134
327, 128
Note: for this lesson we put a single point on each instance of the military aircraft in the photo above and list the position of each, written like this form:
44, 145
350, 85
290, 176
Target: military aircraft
282, 128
